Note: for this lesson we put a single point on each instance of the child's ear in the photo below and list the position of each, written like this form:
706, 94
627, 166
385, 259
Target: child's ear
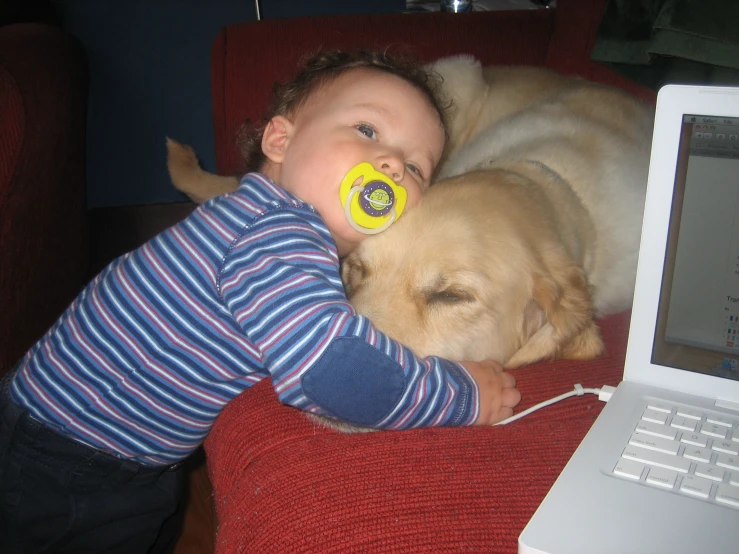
276, 136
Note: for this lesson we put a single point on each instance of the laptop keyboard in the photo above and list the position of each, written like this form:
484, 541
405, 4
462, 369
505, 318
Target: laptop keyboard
685, 451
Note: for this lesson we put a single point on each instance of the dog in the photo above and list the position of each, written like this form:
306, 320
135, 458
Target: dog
530, 232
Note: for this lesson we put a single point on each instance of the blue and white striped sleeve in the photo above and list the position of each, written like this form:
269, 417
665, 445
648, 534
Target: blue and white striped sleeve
281, 283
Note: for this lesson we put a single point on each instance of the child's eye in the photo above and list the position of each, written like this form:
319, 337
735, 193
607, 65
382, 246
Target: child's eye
366, 130
414, 169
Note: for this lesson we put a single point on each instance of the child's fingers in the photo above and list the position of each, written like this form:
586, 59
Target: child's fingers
498, 368
489, 365
511, 398
508, 380
505, 413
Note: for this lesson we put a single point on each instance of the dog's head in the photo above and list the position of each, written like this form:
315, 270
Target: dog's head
464, 277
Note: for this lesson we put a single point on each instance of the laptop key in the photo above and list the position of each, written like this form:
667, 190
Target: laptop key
654, 416
679, 422
629, 468
721, 420
655, 429
698, 454
659, 406
690, 414
727, 461
695, 486
694, 439
727, 447
662, 477
714, 430
655, 443
709, 472
653, 458
729, 495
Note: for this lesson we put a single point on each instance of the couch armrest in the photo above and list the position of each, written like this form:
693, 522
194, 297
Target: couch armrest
249, 57
283, 484
43, 227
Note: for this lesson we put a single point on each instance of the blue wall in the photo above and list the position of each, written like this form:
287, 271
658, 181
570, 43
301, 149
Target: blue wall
150, 78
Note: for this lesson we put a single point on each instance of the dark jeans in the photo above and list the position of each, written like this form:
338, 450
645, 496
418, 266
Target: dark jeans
58, 495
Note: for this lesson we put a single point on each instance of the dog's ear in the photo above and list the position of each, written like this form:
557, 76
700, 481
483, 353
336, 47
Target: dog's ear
534, 319
558, 320
586, 345
462, 78
463, 84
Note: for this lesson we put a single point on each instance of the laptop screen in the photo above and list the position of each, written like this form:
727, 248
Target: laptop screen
698, 318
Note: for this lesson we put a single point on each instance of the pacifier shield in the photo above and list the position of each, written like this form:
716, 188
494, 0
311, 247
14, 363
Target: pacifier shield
377, 198
371, 200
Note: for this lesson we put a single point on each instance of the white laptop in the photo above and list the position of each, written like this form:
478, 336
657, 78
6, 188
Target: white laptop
659, 470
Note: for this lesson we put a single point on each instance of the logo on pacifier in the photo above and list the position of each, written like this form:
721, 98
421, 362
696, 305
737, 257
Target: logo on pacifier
377, 199
371, 200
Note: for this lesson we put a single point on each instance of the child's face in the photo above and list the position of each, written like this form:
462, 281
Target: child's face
364, 115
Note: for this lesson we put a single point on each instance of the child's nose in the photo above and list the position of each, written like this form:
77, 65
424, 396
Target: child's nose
392, 166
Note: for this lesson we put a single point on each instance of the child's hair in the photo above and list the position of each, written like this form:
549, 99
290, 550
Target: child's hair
321, 68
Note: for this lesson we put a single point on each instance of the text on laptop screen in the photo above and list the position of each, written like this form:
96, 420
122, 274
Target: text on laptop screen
698, 321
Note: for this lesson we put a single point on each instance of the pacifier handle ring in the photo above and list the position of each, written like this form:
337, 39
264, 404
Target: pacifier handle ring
354, 224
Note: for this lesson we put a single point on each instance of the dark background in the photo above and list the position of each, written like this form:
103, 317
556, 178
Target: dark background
149, 66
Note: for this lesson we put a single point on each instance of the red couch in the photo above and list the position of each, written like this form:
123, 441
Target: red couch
43, 221
282, 484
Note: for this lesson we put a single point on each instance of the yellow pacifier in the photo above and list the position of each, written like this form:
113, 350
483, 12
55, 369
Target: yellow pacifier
371, 200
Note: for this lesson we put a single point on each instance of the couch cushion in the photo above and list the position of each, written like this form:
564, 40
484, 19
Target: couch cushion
283, 484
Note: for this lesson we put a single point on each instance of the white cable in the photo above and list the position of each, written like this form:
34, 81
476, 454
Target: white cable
606, 391
603, 393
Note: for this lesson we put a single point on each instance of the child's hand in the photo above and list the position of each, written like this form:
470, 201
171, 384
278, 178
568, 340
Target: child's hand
498, 392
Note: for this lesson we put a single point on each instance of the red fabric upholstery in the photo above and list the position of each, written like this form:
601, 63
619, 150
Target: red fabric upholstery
249, 57
14, 124
43, 226
282, 484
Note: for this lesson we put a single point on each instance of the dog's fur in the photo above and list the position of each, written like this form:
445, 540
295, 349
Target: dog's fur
531, 231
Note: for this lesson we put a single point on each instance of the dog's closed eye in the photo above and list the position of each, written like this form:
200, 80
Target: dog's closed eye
451, 295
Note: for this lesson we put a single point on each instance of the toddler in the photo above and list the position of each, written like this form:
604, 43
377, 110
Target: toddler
99, 415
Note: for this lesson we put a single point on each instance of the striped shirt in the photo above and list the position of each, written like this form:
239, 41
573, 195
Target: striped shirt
247, 287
